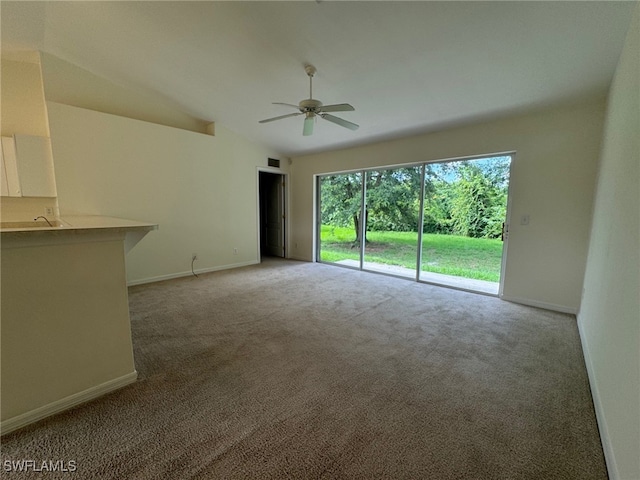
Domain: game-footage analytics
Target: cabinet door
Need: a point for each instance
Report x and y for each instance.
(10, 181)
(4, 184)
(35, 166)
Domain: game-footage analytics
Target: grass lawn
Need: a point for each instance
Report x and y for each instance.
(477, 258)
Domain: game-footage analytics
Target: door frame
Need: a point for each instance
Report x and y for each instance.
(507, 227)
(285, 210)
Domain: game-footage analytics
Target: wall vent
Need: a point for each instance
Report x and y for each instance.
(273, 162)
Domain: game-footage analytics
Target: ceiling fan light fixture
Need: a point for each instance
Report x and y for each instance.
(307, 128)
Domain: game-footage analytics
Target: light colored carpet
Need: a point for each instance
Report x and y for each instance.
(300, 370)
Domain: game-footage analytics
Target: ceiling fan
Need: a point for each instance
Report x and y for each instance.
(312, 108)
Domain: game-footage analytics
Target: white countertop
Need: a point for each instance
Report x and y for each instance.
(73, 229)
(75, 222)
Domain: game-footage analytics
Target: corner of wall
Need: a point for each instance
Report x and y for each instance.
(609, 317)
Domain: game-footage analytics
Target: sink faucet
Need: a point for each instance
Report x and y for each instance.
(45, 219)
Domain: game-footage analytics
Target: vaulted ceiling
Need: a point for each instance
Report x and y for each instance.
(406, 67)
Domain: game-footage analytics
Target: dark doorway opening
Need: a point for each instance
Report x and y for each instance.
(272, 215)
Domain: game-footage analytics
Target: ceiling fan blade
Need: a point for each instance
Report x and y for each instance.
(338, 107)
(340, 121)
(280, 117)
(287, 105)
(307, 129)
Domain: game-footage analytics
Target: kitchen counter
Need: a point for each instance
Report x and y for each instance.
(66, 334)
(75, 223)
(81, 227)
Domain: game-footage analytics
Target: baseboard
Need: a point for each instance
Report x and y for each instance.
(66, 403)
(547, 306)
(597, 405)
(198, 271)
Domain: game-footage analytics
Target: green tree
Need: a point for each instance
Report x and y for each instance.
(340, 200)
(392, 199)
(463, 198)
(468, 204)
(392, 202)
(478, 198)
(437, 200)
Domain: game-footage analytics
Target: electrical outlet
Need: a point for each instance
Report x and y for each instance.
(235, 251)
(194, 257)
(48, 211)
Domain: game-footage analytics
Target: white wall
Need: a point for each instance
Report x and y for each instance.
(128, 153)
(201, 190)
(553, 179)
(609, 318)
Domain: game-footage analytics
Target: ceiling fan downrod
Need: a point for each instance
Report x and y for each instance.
(311, 71)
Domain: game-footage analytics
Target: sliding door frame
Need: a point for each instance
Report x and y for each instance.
(423, 172)
(363, 216)
(506, 228)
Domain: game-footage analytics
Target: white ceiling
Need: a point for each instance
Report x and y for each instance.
(406, 67)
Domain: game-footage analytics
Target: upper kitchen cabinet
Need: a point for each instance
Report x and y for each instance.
(27, 167)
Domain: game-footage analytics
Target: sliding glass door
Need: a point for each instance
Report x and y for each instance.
(464, 213)
(339, 227)
(392, 213)
(440, 222)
